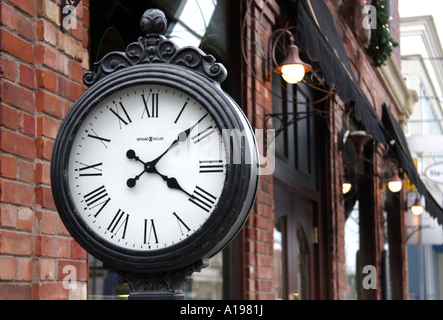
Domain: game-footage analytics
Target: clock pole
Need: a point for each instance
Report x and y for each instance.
(160, 286)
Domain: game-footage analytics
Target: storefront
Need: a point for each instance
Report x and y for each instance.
(305, 238)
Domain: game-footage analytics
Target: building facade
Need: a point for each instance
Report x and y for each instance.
(293, 246)
(422, 73)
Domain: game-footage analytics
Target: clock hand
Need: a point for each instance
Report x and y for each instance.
(149, 167)
(171, 182)
(131, 182)
(182, 136)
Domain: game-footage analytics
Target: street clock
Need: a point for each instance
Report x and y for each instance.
(154, 168)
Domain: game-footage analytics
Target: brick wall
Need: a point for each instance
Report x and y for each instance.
(259, 19)
(41, 72)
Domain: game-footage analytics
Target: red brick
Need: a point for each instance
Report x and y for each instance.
(24, 269)
(77, 71)
(15, 243)
(54, 247)
(47, 32)
(16, 193)
(7, 268)
(25, 219)
(50, 103)
(8, 216)
(77, 252)
(72, 47)
(25, 5)
(50, 10)
(15, 291)
(45, 269)
(49, 291)
(46, 79)
(26, 28)
(43, 148)
(47, 221)
(42, 173)
(8, 167)
(43, 197)
(25, 171)
(8, 16)
(16, 143)
(69, 89)
(16, 46)
(50, 57)
(17, 96)
(8, 117)
(8, 69)
(27, 76)
(47, 126)
(27, 124)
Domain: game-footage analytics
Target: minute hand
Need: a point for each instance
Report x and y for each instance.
(182, 136)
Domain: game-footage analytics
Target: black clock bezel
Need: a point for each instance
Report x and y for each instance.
(238, 195)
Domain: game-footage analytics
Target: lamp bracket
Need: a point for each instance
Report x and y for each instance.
(286, 119)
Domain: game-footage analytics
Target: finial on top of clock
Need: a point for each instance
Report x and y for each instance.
(153, 21)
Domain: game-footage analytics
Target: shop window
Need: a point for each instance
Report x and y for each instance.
(294, 121)
(352, 246)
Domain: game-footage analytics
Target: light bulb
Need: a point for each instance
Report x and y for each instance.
(395, 186)
(417, 210)
(346, 187)
(293, 73)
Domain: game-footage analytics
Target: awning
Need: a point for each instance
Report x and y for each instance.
(399, 150)
(318, 36)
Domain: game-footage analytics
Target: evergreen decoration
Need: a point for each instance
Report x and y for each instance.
(381, 44)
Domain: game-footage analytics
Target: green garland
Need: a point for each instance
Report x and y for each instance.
(380, 46)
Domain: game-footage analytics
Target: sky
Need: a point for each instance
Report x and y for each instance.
(412, 8)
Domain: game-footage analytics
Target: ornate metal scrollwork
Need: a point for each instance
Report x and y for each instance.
(156, 48)
(167, 285)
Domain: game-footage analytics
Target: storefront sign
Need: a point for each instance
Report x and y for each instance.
(435, 172)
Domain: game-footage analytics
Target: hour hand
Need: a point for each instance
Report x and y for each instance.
(171, 182)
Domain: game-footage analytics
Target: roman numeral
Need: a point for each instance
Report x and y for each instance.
(104, 141)
(181, 223)
(211, 166)
(202, 199)
(202, 135)
(149, 231)
(119, 224)
(97, 198)
(122, 118)
(152, 110)
(93, 170)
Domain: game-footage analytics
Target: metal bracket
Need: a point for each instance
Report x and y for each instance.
(287, 119)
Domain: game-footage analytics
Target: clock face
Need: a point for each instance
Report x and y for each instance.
(146, 167)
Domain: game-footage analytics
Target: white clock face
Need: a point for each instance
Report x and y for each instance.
(147, 167)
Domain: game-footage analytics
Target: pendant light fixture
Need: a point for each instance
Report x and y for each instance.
(292, 68)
